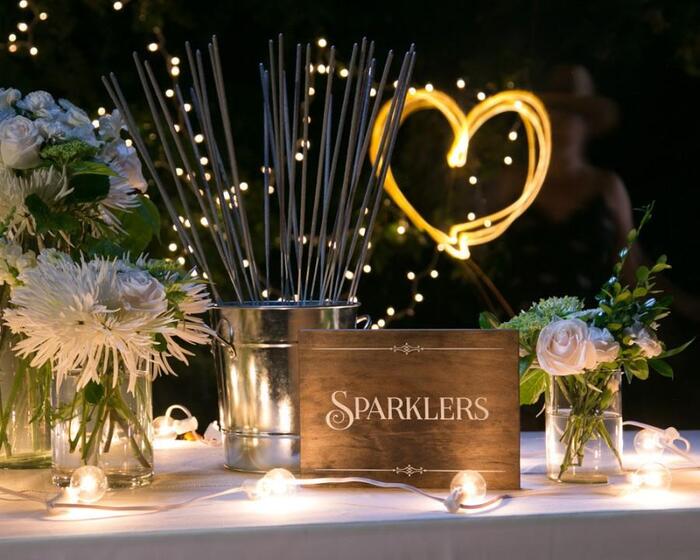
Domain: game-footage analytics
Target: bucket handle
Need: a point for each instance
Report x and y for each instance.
(366, 319)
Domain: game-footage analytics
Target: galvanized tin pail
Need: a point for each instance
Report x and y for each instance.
(258, 378)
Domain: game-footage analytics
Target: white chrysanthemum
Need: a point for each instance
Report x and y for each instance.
(74, 316)
(48, 184)
(14, 261)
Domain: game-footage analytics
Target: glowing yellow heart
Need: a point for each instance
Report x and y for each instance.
(539, 137)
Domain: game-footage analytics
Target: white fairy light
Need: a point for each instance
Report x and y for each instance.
(349, 274)
(243, 186)
(507, 160)
(481, 96)
(187, 106)
(43, 16)
(321, 68)
(12, 37)
(204, 221)
(322, 42)
(411, 275)
(473, 180)
(199, 138)
(275, 484)
(181, 261)
(88, 484)
(101, 111)
(373, 92)
(461, 83)
(33, 51)
(429, 87)
(344, 72)
(412, 90)
(434, 273)
(153, 47)
(471, 216)
(117, 6)
(390, 311)
(172, 247)
(468, 488)
(175, 71)
(367, 268)
(22, 26)
(299, 156)
(401, 229)
(381, 323)
(512, 136)
(312, 91)
(96, 124)
(203, 160)
(23, 4)
(651, 476)
(418, 297)
(175, 60)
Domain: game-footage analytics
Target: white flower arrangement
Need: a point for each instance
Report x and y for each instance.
(63, 181)
(102, 316)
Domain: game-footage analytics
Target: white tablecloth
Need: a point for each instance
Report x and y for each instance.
(572, 522)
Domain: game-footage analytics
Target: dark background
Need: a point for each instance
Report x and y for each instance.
(645, 55)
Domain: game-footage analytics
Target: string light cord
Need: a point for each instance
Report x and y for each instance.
(651, 436)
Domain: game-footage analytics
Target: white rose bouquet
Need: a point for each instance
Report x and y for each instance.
(66, 182)
(580, 351)
(105, 321)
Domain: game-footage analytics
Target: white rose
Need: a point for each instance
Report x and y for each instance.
(139, 291)
(6, 113)
(111, 125)
(563, 348)
(39, 103)
(607, 350)
(8, 97)
(126, 163)
(85, 132)
(645, 339)
(20, 143)
(74, 116)
(51, 128)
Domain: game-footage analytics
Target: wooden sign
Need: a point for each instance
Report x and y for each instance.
(411, 406)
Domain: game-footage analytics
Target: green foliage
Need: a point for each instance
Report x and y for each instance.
(94, 392)
(91, 168)
(533, 383)
(48, 220)
(88, 188)
(139, 226)
(64, 153)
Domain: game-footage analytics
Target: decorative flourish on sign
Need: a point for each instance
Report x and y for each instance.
(408, 470)
(485, 228)
(406, 348)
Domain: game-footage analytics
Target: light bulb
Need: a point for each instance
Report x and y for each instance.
(468, 488)
(648, 443)
(275, 483)
(651, 476)
(88, 484)
(166, 427)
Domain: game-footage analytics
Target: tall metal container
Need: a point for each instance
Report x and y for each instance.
(258, 378)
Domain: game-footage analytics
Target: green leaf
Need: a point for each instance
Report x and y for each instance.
(638, 368)
(532, 384)
(94, 392)
(488, 320)
(140, 225)
(88, 188)
(661, 367)
(632, 236)
(101, 248)
(525, 362)
(63, 153)
(674, 351)
(642, 274)
(91, 168)
(639, 292)
(160, 344)
(47, 220)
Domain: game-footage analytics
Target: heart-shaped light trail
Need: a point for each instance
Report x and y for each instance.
(539, 137)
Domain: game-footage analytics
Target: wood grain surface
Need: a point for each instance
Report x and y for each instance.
(410, 405)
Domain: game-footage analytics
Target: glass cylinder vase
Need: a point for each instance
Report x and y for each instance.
(105, 426)
(25, 441)
(584, 426)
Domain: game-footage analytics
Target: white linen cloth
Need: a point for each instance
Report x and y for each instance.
(571, 522)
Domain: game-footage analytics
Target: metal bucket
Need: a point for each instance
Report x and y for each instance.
(258, 378)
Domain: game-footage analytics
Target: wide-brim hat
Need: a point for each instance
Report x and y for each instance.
(571, 89)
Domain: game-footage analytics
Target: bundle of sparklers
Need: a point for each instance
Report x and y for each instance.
(317, 217)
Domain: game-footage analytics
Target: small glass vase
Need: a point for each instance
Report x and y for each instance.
(109, 427)
(25, 441)
(584, 427)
